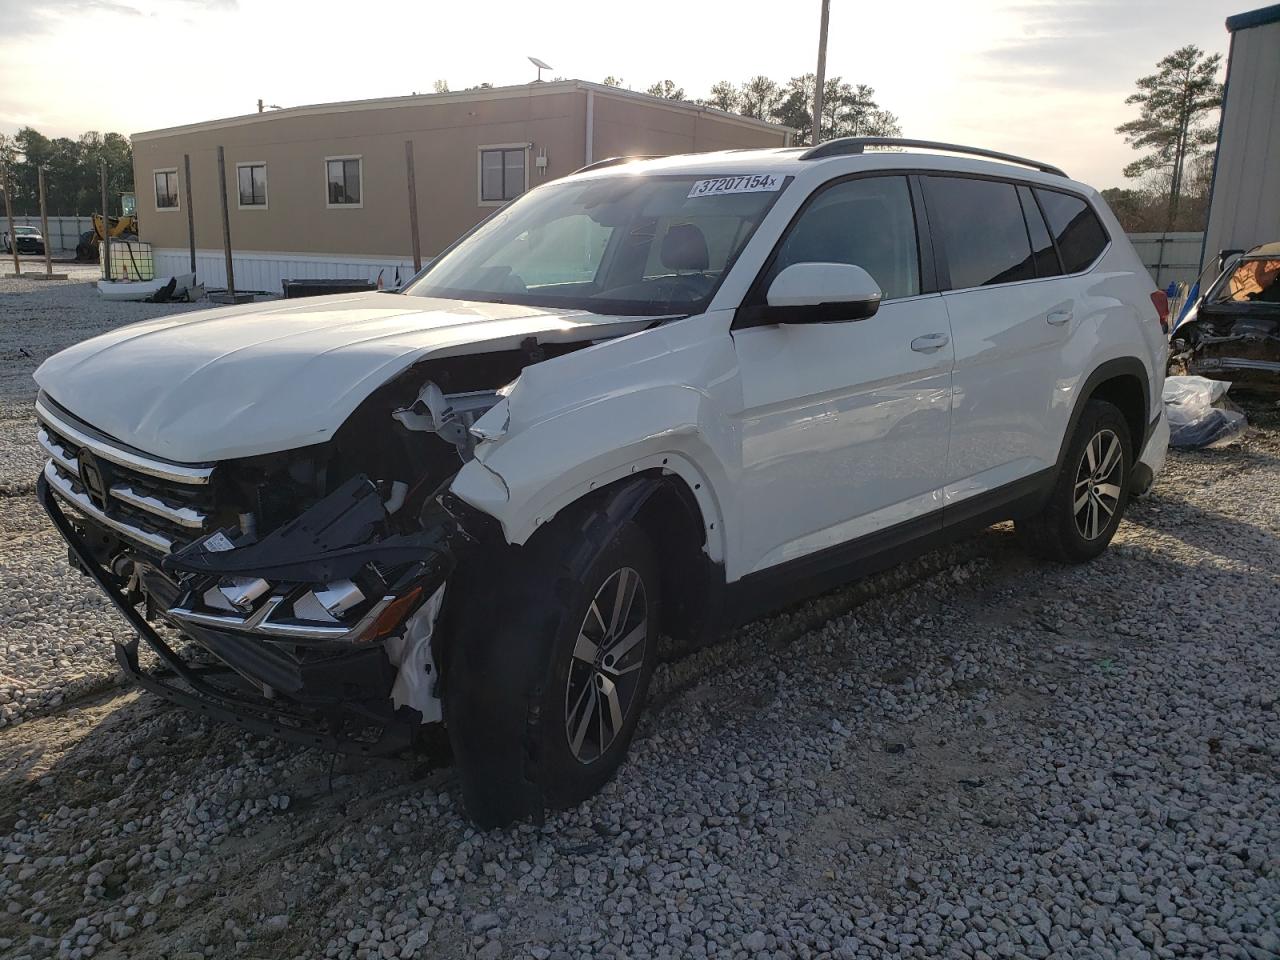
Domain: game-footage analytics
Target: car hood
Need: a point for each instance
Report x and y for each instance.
(260, 378)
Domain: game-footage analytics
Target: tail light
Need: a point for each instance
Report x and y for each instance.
(1161, 301)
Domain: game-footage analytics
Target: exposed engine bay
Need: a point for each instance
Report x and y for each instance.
(1233, 332)
(314, 580)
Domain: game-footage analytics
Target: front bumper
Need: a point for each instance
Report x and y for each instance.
(326, 696)
(1249, 373)
(1154, 453)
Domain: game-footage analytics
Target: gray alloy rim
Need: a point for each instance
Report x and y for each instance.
(1098, 485)
(604, 673)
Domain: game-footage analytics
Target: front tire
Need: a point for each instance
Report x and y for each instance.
(1091, 492)
(551, 670)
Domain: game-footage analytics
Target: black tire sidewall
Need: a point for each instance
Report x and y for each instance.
(1098, 415)
(565, 780)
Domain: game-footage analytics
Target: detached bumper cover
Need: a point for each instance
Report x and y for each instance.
(328, 695)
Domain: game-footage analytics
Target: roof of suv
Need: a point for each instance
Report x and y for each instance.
(792, 161)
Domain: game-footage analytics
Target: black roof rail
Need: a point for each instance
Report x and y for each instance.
(614, 161)
(846, 146)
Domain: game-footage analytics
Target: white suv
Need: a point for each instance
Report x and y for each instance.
(632, 406)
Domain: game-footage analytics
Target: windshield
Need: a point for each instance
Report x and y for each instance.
(1251, 281)
(635, 245)
(26, 231)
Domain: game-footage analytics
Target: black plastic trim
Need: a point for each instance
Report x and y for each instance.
(254, 716)
(768, 590)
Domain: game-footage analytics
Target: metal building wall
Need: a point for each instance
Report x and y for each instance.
(1245, 208)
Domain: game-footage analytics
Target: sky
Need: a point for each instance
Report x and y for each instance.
(1041, 79)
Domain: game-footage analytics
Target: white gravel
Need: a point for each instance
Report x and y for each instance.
(971, 756)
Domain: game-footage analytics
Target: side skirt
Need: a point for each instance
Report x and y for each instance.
(786, 583)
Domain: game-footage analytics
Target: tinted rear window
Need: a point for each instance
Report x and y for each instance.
(980, 225)
(1081, 238)
(1046, 258)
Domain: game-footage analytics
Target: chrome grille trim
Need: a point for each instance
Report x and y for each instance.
(82, 503)
(59, 456)
(165, 470)
(183, 516)
(261, 623)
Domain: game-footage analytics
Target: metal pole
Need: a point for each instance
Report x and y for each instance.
(8, 209)
(191, 214)
(226, 224)
(106, 225)
(44, 226)
(821, 78)
(413, 206)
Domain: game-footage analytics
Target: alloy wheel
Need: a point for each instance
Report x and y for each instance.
(1098, 484)
(605, 671)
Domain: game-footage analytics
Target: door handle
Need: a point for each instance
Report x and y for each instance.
(1059, 317)
(930, 342)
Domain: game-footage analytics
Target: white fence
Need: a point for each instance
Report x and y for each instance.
(64, 232)
(264, 271)
(1171, 257)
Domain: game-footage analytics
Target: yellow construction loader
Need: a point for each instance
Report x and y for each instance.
(122, 228)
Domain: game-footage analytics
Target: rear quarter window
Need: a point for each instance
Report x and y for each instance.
(1079, 233)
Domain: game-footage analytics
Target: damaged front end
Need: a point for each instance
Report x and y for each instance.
(312, 588)
(1244, 349)
(1233, 331)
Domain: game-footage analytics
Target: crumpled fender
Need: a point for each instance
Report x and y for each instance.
(587, 419)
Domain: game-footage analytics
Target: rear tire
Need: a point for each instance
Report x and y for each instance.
(1091, 492)
(549, 673)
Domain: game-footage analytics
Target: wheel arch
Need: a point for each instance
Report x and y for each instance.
(1122, 382)
(667, 507)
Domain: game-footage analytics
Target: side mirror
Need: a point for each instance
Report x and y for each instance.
(821, 293)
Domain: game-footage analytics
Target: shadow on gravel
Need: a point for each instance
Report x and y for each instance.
(1215, 533)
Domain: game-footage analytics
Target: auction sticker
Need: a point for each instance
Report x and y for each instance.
(746, 183)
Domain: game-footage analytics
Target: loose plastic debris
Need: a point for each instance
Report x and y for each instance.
(1200, 415)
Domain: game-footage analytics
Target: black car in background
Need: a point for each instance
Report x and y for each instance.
(28, 239)
(1232, 332)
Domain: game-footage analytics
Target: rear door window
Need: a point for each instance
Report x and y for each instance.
(1080, 235)
(1042, 252)
(981, 229)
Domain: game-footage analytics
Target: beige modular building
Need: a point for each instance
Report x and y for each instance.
(322, 191)
(1244, 206)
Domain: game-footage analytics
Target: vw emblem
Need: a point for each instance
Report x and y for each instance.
(91, 479)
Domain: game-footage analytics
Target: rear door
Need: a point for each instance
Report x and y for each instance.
(844, 425)
(1011, 315)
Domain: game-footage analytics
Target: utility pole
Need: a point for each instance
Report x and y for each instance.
(820, 78)
(191, 213)
(106, 225)
(226, 226)
(44, 224)
(413, 205)
(8, 209)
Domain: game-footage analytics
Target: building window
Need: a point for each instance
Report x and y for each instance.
(343, 175)
(166, 189)
(253, 184)
(502, 172)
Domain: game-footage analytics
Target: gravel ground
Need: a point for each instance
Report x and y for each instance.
(973, 755)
